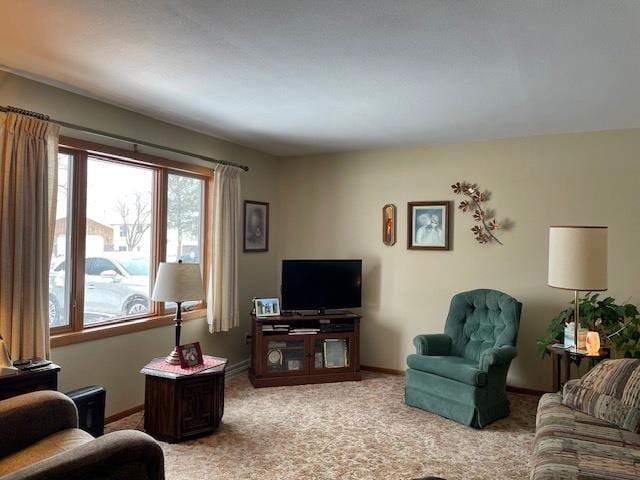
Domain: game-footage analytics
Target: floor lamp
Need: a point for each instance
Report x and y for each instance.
(578, 262)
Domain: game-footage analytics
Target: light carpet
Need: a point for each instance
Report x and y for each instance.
(350, 430)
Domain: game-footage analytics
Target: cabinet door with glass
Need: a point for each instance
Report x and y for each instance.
(332, 353)
(283, 355)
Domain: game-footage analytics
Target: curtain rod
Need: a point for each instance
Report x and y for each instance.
(121, 138)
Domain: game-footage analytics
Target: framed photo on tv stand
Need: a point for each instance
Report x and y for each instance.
(267, 307)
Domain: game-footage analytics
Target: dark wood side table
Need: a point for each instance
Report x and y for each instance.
(26, 381)
(179, 407)
(562, 360)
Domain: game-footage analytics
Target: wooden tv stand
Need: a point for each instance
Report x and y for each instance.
(281, 358)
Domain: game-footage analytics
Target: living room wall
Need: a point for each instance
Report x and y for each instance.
(331, 207)
(115, 362)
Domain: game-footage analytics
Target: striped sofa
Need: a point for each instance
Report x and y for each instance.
(571, 445)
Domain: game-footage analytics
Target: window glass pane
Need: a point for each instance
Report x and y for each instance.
(58, 273)
(184, 219)
(118, 242)
(185, 197)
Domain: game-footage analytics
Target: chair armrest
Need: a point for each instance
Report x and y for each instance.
(118, 455)
(25, 419)
(497, 356)
(435, 344)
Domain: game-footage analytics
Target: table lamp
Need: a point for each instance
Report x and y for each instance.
(178, 282)
(578, 262)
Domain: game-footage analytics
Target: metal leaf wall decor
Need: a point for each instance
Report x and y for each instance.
(486, 225)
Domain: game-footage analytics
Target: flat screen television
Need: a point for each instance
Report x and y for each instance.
(321, 284)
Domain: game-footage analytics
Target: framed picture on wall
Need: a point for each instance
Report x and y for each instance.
(389, 224)
(428, 225)
(256, 226)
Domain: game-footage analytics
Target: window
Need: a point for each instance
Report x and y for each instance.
(121, 219)
(184, 219)
(185, 199)
(59, 276)
(118, 195)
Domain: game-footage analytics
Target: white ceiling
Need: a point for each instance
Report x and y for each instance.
(307, 76)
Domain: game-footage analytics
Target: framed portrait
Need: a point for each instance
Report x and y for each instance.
(190, 355)
(267, 307)
(256, 226)
(389, 224)
(428, 225)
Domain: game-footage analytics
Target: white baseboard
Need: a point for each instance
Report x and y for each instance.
(236, 369)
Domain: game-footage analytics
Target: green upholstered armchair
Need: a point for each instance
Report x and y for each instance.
(462, 374)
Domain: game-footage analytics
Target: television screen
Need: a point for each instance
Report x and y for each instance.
(321, 284)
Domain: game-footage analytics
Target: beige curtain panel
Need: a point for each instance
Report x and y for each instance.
(28, 185)
(222, 294)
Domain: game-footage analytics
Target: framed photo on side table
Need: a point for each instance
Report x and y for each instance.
(190, 355)
(428, 225)
(256, 226)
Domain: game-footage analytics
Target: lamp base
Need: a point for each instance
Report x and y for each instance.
(173, 358)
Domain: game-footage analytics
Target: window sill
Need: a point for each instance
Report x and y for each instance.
(122, 328)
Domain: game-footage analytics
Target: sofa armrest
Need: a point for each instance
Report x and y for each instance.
(124, 454)
(497, 356)
(25, 419)
(435, 344)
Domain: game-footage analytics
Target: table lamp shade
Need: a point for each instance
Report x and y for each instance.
(578, 258)
(178, 282)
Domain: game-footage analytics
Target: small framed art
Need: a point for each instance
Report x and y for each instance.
(428, 225)
(267, 307)
(389, 224)
(190, 355)
(256, 226)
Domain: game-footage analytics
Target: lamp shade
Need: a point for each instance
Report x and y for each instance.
(178, 282)
(578, 258)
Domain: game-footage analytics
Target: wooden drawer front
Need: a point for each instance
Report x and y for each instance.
(197, 406)
(25, 384)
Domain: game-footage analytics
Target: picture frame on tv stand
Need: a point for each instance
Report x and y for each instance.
(266, 307)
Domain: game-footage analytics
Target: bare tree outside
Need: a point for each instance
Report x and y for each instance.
(135, 218)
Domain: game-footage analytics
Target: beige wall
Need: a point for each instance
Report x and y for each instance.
(115, 362)
(331, 207)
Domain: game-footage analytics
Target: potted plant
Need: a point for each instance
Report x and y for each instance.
(618, 325)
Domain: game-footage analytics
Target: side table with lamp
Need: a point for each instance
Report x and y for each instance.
(182, 403)
(578, 262)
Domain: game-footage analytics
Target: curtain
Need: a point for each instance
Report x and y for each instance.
(28, 187)
(222, 294)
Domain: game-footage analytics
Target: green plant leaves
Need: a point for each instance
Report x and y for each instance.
(618, 325)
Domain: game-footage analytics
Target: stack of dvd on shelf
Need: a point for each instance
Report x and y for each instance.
(304, 331)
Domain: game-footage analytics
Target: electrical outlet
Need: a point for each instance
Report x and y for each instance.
(247, 338)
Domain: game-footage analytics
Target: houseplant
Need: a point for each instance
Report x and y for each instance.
(618, 325)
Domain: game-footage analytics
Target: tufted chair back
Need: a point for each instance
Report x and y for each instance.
(482, 319)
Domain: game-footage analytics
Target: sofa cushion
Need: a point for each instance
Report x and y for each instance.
(456, 368)
(610, 391)
(47, 447)
(572, 445)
